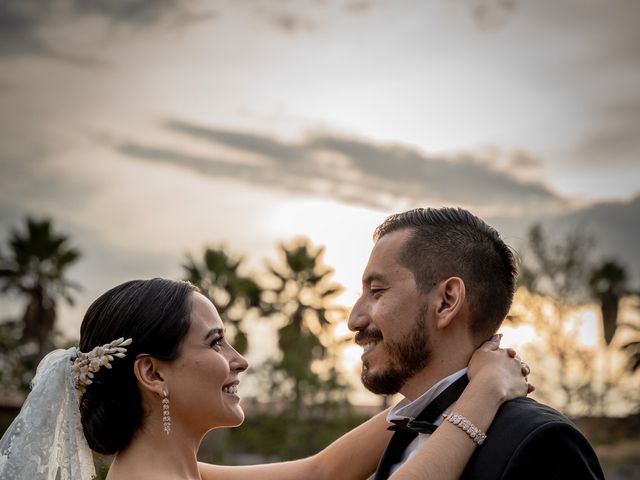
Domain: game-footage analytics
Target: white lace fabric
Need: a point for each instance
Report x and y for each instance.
(45, 441)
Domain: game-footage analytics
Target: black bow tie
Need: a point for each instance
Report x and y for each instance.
(423, 423)
(409, 425)
(407, 430)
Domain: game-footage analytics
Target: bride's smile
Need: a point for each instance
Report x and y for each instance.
(203, 381)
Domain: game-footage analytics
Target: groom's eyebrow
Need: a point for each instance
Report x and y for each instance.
(372, 277)
(213, 331)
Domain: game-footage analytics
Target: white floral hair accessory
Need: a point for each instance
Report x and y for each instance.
(46, 441)
(85, 365)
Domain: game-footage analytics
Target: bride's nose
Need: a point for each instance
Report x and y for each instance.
(238, 363)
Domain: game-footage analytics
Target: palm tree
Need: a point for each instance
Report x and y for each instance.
(633, 347)
(300, 299)
(35, 266)
(218, 277)
(608, 284)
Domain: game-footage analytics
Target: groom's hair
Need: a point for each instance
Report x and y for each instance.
(155, 314)
(452, 242)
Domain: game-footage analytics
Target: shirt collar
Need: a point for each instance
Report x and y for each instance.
(408, 409)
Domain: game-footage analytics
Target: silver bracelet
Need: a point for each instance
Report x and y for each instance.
(469, 428)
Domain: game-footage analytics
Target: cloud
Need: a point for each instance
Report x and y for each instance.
(359, 6)
(251, 142)
(26, 26)
(592, 56)
(522, 159)
(491, 14)
(352, 170)
(616, 137)
(18, 24)
(390, 177)
(291, 23)
(305, 16)
(615, 227)
(142, 12)
(609, 29)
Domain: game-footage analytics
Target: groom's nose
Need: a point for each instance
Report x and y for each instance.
(358, 318)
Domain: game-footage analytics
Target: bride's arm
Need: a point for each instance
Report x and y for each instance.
(492, 381)
(494, 377)
(355, 456)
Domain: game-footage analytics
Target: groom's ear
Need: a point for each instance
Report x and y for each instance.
(147, 371)
(451, 294)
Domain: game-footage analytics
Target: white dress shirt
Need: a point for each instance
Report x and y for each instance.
(407, 409)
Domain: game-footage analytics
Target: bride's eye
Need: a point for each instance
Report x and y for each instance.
(217, 343)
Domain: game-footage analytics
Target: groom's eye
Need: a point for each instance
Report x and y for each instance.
(376, 291)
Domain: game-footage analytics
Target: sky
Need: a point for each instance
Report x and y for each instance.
(148, 129)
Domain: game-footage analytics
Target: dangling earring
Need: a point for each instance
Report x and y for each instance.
(166, 416)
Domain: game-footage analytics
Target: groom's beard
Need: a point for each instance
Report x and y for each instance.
(406, 358)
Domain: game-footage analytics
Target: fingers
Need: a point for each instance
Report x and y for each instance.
(524, 369)
(493, 343)
(512, 353)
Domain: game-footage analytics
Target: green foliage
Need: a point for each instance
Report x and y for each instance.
(559, 276)
(307, 394)
(35, 266)
(38, 256)
(102, 466)
(633, 350)
(300, 301)
(608, 283)
(18, 360)
(296, 296)
(234, 294)
(268, 437)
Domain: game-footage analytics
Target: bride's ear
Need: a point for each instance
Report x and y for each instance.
(147, 372)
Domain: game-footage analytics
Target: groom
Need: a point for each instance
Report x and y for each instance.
(438, 283)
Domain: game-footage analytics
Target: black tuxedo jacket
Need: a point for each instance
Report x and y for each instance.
(528, 440)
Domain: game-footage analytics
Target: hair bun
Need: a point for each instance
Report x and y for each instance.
(110, 418)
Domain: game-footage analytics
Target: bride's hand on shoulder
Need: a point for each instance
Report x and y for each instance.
(499, 371)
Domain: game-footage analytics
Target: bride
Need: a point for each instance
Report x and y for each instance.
(153, 373)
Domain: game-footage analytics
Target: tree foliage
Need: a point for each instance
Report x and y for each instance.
(18, 360)
(632, 348)
(306, 392)
(608, 284)
(295, 294)
(218, 275)
(35, 266)
(300, 300)
(559, 277)
(557, 270)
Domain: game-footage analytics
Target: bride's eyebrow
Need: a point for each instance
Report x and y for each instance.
(213, 331)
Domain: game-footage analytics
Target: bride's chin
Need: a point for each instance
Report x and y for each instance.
(240, 419)
(238, 423)
(235, 419)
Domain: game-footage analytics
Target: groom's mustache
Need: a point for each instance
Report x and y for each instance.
(369, 334)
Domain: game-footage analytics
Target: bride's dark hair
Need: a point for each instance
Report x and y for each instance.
(155, 314)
